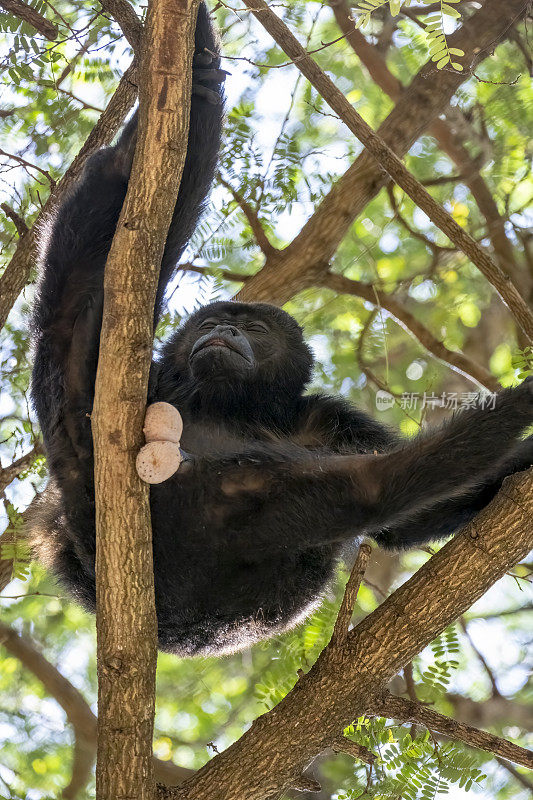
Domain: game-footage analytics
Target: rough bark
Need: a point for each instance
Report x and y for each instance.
(307, 258)
(347, 681)
(126, 622)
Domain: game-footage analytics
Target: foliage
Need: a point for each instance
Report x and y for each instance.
(415, 767)
(439, 49)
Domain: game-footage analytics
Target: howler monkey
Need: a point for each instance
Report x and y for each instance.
(246, 534)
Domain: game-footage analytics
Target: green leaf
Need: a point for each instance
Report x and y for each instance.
(451, 12)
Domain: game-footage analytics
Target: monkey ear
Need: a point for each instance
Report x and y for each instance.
(161, 456)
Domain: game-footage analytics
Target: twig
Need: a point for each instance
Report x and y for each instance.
(481, 658)
(408, 711)
(28, 165)
(521, 779)
(342, 623)
(253, 219)
(84, 103)
(31, 16)
(227, 275)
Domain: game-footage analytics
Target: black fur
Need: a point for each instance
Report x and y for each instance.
(247, 533)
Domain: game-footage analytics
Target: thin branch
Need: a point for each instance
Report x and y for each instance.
(408, 711)
(15, 218)
(429, 243)
(481, 658)
(253, 219)
(70, 66)
(87, 106)
(389, 161)
(28, 165)
(227, 275)
(523, 780)
(9, 473)
(459, 362)
(344, 617)
(32, 17)
(344, 745)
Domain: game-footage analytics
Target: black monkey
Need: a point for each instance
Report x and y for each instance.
(248, 531)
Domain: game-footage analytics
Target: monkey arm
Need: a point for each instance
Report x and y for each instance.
(448, 516)
(346, 428)
(328, 498)
(67, 315)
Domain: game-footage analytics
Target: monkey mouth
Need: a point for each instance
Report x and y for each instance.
(199, 346)
(215, 342)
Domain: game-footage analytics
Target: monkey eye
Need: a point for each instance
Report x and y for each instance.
(207, 324)
(257, 327)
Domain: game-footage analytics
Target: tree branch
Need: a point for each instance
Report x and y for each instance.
(443, 133)
(9, 473)
(459, 362)
(410, 711)
(344, 617)
(17, 272)
(344, 745)
(31, 16)
(346, 681)
(125, 605)
(15, 218)
(389, 161)
(305, 260)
